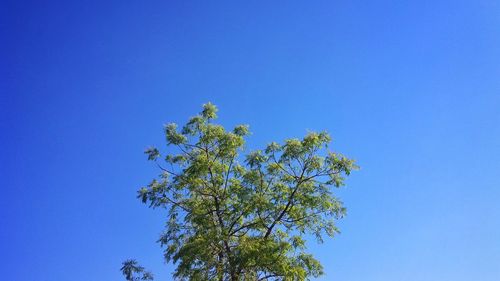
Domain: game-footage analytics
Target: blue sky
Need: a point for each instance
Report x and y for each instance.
(410, 89)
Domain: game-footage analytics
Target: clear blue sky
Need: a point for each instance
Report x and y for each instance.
(411, 89)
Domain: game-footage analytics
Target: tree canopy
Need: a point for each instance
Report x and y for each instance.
(134, 272)
(233, 215)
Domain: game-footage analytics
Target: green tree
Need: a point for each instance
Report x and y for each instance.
(244, 217)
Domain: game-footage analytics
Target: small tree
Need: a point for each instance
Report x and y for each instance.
(134, 272)
(244, 218)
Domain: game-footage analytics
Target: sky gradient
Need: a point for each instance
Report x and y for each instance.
(410, 89)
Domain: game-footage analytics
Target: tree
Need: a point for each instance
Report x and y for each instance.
(233, 217)
(130, 269)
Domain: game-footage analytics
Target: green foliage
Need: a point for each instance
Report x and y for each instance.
(244, 217)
